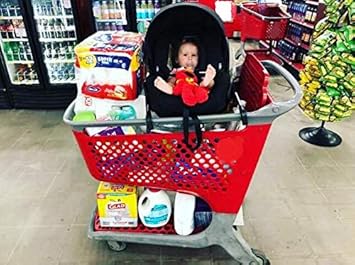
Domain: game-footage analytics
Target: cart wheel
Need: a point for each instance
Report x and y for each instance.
(261, 256)
(116, 245)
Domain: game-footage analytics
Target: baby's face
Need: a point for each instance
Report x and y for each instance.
(188, 56)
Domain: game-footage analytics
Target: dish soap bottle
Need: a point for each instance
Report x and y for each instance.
(154, 208)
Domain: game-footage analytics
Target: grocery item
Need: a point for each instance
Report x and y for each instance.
(117, 205)
(328, 77)
(184, 207)
(154, 208)
(108, 65)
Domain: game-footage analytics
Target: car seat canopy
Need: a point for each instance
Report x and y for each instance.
(176, 22)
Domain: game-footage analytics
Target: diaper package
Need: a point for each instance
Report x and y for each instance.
(108, 67)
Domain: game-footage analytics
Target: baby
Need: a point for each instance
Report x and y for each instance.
(185, 82)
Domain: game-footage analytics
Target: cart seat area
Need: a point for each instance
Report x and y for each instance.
(253, 83)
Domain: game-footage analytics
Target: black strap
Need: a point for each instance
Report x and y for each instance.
(197, 124)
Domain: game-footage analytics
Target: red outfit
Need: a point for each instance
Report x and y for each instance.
(187, 87)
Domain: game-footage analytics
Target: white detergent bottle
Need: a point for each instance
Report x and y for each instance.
(184, 208)
(154, 208)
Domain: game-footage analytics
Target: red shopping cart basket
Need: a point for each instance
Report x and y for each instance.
(263, 22)
(219, 171)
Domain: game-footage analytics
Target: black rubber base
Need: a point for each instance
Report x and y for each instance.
(320, 136)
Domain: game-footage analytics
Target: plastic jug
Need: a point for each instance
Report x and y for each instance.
(154, 208)
(184, 208)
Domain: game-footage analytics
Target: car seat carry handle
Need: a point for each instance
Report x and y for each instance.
(275, 109)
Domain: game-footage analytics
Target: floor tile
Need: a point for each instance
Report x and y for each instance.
(9, 238)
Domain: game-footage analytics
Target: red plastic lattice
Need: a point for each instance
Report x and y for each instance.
(219, 171)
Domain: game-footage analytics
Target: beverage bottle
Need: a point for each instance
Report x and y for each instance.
(119, 27)
(111, 9)
(123, 12)
(139, 10)
(113, 26)
(156, 7)
(107, 26)
(15, 50)
(96, 9)
(8, 51)
(150, 9)
(118, 8)
(144, 7)
(62, 51)
(22, 52)
(105, 13)
(67, 7)
(69, 50)
(28, 51)
(47, 51)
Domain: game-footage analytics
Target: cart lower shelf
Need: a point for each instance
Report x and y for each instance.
(220, 232)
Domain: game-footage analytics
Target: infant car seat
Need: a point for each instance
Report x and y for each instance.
(172, 24)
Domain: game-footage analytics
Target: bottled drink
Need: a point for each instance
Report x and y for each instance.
(150, 9)
(8, 51)
(96, 9)
(156, 7)
(107, 26)
(22, 52)
(144, 7)
(117, 10)
(113, 26)
(139, 10)
(119, 27)
(28, 51)
(62, 51)
(105, 13)
(123, 12)
(111, 9)
(67, 7)
(15, 50)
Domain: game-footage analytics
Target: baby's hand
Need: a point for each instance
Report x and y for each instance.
(209, 76)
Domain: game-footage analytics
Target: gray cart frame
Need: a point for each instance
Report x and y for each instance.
(220, 231)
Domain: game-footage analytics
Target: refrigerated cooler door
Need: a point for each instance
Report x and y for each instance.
(15, 47)
(109, 15)
(57, 36)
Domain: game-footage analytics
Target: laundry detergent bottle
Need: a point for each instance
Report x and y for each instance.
(154, 208)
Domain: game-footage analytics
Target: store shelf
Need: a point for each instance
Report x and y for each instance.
(56, 39)
(300, 44)
(304, 24)
(54, 61)
(71, 81)
(26, 82)
(297, 66)
(53, 16)
(20, 62)
(314, 3)
(15, 40)
(10, 17)
(122, 21)
(143, 19)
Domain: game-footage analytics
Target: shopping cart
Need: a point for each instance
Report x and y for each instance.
(219, 171)
(263, 23)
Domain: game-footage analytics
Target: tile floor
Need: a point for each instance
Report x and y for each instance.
(300, 207)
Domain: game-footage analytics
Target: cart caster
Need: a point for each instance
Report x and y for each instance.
(116, 245)
(261, 256)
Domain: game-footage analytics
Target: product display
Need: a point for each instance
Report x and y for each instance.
(328, 80)
(145, 11)
(15, 45)
(57, 36)
(109, 15)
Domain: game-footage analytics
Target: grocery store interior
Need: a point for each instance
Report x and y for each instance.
(299, 207)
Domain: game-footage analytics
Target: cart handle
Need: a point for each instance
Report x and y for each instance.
(275, 109)
(264, 115)
(286, 16)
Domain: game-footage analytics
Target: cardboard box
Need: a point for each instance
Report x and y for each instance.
(117, 205)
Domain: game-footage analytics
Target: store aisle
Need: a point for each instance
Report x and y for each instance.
(300, 208)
